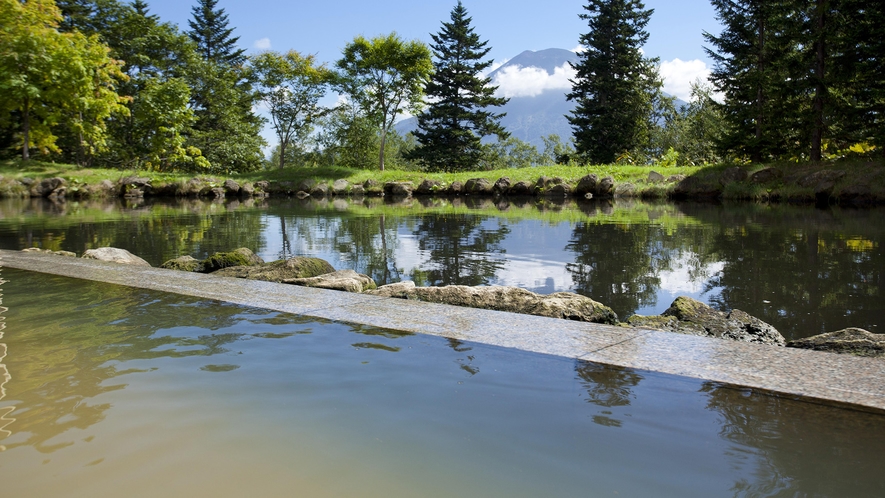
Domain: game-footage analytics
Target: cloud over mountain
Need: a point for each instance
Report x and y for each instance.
(518, 81)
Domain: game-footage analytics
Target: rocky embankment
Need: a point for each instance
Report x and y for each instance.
(770, 184)
(684, 316)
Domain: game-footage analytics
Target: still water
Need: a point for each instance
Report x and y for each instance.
(108, 391)
(802, 269)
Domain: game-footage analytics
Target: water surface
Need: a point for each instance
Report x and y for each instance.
(802, 269)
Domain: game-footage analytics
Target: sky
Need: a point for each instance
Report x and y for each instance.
(323, 29)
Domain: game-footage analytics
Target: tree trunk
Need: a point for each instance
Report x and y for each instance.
(381, 154)
(26, 130)
(282, 154)
(756, 154)
(820, 90)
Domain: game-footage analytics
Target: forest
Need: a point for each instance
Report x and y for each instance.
(106, 84)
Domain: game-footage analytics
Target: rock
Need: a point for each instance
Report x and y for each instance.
(694, 186)
(340, 187)
(560, 190)
(857, 194)
(50, 251)
(855, 341)
(217, 193)
(237, 257)
(624, 190)
(344, 280)
(319, 191)
(675, 178)
(521, 188)
(822, 181)
(655, 177)
(47, 186)
(692, 317)
(478, 186)
(305, 185)
(231, 187)
(766, 175)
(510, 299)
(135, 186)
(429, 187)
(247, 190)
(184, 263)
(398, 189)
(373, 188)
(277, 271)
(456, 188)
(357, 191)
(502, 186)
(732, 175)
(115, 255)
(605, 187)
(587, 185)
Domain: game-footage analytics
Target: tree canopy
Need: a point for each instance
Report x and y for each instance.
(451, 129)
(384, 76)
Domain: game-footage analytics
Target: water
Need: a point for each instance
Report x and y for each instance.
(804, 270)
(114, 391)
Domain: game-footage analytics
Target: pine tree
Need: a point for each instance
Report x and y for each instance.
(451, 129)
(213, 38)
(615, 85)
(755, 57)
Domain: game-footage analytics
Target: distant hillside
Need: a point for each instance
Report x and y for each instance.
(530, 117)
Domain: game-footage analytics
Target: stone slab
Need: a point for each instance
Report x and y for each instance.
(804, 374)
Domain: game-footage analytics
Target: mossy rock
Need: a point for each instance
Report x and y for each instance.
(184, 263)
(237, 257)
(278, 271)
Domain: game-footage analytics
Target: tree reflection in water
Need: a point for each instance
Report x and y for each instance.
(791, 447)
(607, 387)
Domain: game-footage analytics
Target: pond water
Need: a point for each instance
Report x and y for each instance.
(110, 391)
(802, 269)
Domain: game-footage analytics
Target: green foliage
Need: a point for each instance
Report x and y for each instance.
(693, 131)
(558, 152)
(615, 86)
(213, 38)
(291, 86)
(450, 130)
(383, 77)
(54, 82)
(511, 153)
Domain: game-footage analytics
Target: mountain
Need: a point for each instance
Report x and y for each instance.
(536, 82)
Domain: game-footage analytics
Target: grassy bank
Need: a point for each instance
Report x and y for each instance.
(861, 176)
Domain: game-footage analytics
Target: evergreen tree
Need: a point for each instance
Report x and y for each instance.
(451, 129)
(615, 86)
(213, 38)
(753, 59)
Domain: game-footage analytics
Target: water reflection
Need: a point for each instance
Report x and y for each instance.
(608, 387)
(784, 447)
(803, 270)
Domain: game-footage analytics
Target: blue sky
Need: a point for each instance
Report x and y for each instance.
(511, 27)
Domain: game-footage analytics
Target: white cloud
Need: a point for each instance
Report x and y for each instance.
(678, 76)
(518, 81)
(262, 44)
(495, 65)
(579, 49)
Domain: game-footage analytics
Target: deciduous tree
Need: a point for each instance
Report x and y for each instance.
(383, 77)
(291, 85)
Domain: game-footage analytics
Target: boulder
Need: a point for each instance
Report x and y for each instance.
(605, 187)
(822, 181)
(277, 271)
(231, 187)
(559, 190)
(398, 189)
(624, 190)
(373, 188)
(732, 175)
(344, 280)
(502, 186)
(50, 251)
(654, 177)
(694, 186)
(184, 263)
(852, 340)
(305, 185)
(357, 191)
(521, 188)
(47, 186)
(247, 190)
(456, 188)
(478, 186)
(319, 191)
(115, 255)
(340, 187)
(510, 299)
(587, 185)
(238, 257)
(675, 178)
(692, 317)
(766, 175)
(428, 187)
